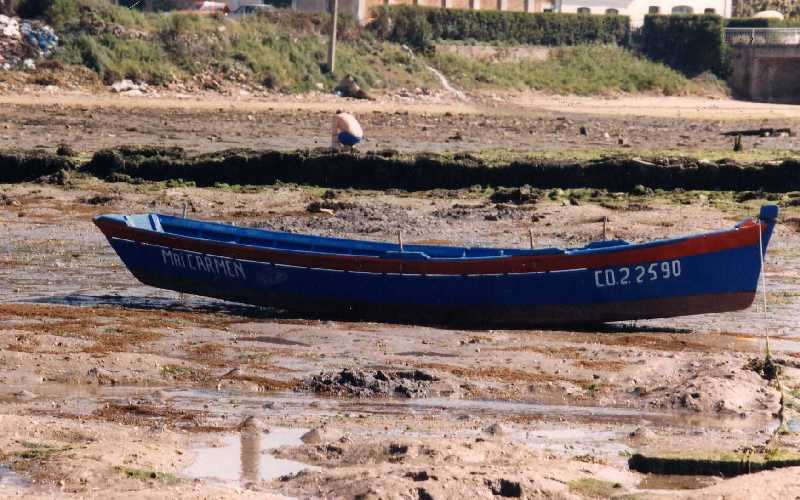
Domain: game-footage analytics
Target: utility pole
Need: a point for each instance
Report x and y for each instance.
(332, 45)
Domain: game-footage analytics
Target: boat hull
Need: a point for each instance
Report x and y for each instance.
(709, 282)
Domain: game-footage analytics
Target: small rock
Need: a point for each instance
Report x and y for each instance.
(418, 476)
(23, 394)
(159, 395)
(495, 430)
(251, 423)
(456, 137)
(312, 437)
(737, 143)
(232, 373)
(584, 131)
(349, 88)
(642, 433)
(124, 86)
(101, 376)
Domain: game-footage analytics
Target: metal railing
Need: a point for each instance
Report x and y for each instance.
(762, 36)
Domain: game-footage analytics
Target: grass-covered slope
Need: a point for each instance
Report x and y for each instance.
(583, 70)
(281, 50)
(287, 51)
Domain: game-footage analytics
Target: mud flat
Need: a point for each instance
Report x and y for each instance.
(208, 122)
(110, 388)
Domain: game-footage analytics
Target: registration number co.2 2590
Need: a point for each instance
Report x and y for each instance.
(639, 274)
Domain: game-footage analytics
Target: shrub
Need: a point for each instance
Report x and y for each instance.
(419, 26)
(748, 8)
(33, 8)
(758, 22)
(692, 44)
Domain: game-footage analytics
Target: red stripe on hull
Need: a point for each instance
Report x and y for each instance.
(744, 235)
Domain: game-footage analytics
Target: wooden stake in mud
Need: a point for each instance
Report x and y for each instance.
(400, 240)
(332, 45)
(767, 354)
(605, 223)
(530, 235)
(181, 295)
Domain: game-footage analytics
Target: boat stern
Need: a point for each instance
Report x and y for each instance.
(767, 217)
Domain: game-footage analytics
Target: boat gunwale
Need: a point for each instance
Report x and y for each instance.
(393, 252)
(631, 254)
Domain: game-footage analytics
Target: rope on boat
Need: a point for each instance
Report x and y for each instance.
(763, 289)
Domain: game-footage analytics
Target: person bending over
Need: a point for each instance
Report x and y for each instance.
(346, 130)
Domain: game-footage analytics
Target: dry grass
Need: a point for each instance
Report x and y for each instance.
(145, 414)
(495, 373)
(603, 364)
(658, 342)
(269, 384)
(113, 329)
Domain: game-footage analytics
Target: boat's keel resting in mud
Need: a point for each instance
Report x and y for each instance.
(603, 281)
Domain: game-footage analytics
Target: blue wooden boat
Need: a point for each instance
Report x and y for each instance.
(600, 282)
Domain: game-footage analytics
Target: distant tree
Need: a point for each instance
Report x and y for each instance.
(30, 9)
(747, 8)
(8, 7)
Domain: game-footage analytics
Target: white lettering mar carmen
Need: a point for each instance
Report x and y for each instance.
(206, 263)
(637, 275)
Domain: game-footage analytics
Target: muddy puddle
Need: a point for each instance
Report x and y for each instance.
(551, 429)
(671, 482)
(245, 456)
(271, 340)
(10, 481)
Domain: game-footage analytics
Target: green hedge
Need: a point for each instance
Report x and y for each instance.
(692, 44)
(419, 27)
(757, 22)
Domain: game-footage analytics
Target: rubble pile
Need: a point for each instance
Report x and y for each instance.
(23, 41)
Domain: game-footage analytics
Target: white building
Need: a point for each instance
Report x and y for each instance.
(637, 9)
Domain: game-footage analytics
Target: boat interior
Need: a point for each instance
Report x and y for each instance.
(278, 240)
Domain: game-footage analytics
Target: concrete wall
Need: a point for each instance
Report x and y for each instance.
(766, 74)
(355, 8)
(493, 53)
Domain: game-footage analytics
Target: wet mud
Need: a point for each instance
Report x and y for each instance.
(111, 388)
